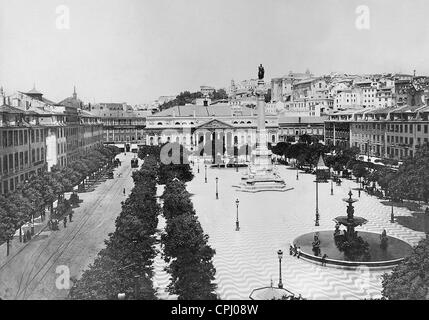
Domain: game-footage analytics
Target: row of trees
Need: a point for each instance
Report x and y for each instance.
(307, 152)
(32, 197)
(125, 265)
(185, 247)
(188, 97)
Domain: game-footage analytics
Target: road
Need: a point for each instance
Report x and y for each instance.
(32, 273)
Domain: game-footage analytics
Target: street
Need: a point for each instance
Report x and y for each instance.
(31, 273)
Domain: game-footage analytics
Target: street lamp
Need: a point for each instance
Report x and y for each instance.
(317, 202)
(217, 190)
(205, 173)
(137, 286)
(297, 172)
(280, 255)
(237, 223)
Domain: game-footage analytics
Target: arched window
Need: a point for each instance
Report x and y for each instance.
(177, 123)
(160, 123)
(273, 138)
(235, 122)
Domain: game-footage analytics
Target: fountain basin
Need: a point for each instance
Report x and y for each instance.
(395, 252)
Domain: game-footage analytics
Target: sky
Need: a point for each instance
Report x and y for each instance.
(136, 50)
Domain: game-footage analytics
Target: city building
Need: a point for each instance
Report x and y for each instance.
(232, 126)
(395, 132)
(37, 134)
(291, 128)
(23, 147)
(122, 126)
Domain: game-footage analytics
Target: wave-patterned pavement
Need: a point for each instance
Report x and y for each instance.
(269, 221)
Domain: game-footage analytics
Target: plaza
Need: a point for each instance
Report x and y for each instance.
(269, 221)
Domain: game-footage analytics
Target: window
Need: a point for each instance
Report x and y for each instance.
(425, 128)
(5, 166)
(11, 162)
(419, 128)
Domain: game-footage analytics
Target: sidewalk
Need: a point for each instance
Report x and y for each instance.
(15, 247)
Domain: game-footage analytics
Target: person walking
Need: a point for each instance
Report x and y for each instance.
(124, 191)
(70, 216)
(65, 222)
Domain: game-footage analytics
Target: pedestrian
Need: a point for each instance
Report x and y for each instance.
(65, 222)
(324, 260)
(359, 192)
(50, 225)
(124, 191)
(28, 235)
(70, 216)
(299, 252)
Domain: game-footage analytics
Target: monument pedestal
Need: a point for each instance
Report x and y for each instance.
(261, 175)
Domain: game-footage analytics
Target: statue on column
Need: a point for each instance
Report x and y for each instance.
(261, 72)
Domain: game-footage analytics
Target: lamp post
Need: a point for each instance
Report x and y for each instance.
(280, 255)
(237, 223)
(332, 187)
(297, 172)
(137, 286)
(317, 202)
(392, 216)
(205, 173)
(217, 190)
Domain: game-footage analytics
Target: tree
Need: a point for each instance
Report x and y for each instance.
(192, 270)
(359, 171)
(185, 246)
(127, 260)
(8, 223)
(410, 279)
(219, 95)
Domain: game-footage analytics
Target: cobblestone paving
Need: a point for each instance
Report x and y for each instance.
(270, 221)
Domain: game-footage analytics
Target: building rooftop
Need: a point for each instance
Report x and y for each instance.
(203, 111)
(308, 120)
